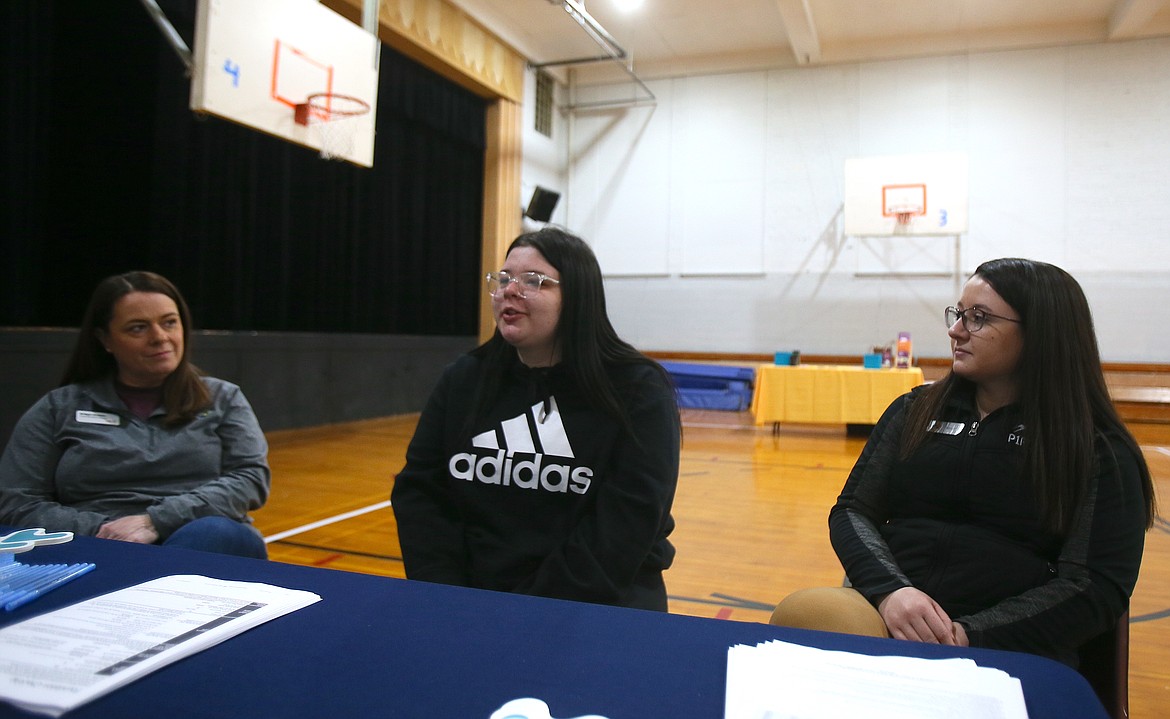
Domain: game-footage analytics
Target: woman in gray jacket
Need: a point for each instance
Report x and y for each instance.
(136, 444)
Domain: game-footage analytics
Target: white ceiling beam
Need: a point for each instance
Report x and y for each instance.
(802, 31)
(1129, 17)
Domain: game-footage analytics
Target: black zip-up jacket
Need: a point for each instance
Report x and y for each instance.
(548, 496)
(957, 521)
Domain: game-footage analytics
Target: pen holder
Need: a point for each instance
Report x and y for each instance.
(8, 565)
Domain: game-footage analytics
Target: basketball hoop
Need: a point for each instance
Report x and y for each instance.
(903, 203)
(336, 118)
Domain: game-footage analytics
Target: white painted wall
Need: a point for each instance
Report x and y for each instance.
(545, 160)
(716, 213)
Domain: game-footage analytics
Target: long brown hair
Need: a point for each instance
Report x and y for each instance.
(1064, 401)
(183, 392)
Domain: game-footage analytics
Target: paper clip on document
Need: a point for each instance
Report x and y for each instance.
(22, 583)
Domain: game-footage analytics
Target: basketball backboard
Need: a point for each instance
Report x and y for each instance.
(906, 194)
(256, 60)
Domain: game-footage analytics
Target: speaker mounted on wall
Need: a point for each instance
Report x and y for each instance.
(542, 204)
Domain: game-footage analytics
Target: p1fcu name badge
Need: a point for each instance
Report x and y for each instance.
(106, 418)
(951, 428)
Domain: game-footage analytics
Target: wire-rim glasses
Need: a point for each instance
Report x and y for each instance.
(527, 283)
(974, 318)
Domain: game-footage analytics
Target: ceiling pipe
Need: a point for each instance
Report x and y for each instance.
(614, 52)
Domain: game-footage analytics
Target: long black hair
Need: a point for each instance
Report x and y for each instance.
(183, 392)
(1064, 401)
(587, 340)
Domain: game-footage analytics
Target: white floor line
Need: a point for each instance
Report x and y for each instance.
(325, 522)
(382, 505)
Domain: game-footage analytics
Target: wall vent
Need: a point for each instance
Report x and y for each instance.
(544, 103)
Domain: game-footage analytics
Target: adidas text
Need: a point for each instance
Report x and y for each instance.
(526, 474)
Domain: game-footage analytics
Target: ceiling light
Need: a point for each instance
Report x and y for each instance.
(627, 5)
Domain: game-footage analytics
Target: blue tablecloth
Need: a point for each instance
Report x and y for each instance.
(391, 648)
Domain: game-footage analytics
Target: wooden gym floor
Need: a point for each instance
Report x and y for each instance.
(751, 510)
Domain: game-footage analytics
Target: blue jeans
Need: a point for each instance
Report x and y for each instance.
(221, 535)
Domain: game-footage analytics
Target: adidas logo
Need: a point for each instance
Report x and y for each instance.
(503, 467)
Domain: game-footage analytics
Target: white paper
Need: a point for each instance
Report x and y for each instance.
(57, 661)
(778, 680)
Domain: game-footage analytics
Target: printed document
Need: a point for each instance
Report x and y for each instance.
(54, 662)
(778, 680)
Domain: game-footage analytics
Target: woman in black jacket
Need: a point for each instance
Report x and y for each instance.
(1004, 506)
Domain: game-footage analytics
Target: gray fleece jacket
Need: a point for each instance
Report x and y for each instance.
(79, 458)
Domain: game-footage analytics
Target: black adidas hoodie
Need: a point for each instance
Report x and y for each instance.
(548, 496)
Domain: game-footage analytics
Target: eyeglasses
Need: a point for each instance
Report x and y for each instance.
(973, 318)
(527, 283)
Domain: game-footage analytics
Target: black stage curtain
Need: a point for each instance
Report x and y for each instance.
(105, 169)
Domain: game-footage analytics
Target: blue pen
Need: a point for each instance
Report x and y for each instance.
(41, 571)
(62, 574)
(27, 579)
(26, 574)
(29, 595)
(20, 581)
(49, 573)
(48, 577)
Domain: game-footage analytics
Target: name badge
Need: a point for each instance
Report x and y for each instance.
(951, 428)
(86, 417)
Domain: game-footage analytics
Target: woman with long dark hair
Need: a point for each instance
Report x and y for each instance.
(1004, 506)
(136, 444)
(546, 459)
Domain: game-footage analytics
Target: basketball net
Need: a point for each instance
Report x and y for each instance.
(337, 119)
(902, 218)
(337, 138)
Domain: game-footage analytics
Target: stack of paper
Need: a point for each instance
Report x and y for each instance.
(56, 661)
(778, 680)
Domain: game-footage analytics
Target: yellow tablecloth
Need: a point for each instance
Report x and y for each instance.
(835, 394)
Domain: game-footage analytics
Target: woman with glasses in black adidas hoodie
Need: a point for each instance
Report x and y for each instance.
(546, 459)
